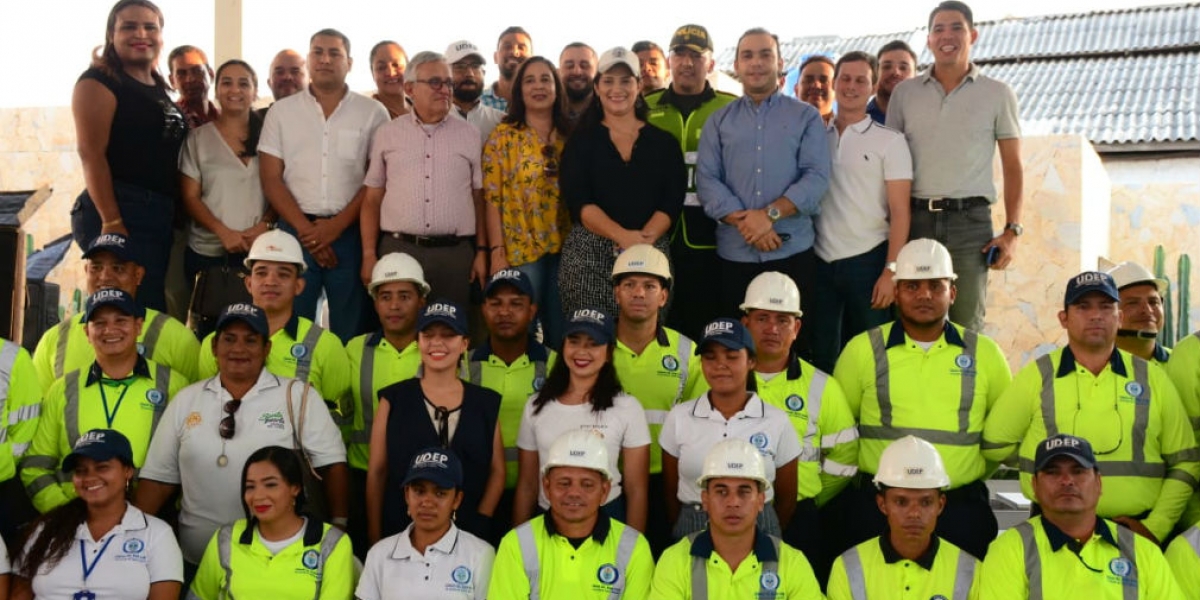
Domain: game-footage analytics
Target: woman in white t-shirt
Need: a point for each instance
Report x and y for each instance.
(582, 392)
(730, 409)
(98, 545)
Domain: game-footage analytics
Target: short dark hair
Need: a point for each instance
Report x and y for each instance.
(181, 50)
(756, 31)
(577, 45)
(894, 45)
(817, 58)
(858, 56)
(331, 32)
(645, 45)
(954, 5)
(511, 30)
(384, 44)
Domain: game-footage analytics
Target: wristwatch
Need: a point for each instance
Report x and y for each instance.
(1016, 228)
(773, 213)
(891, 267)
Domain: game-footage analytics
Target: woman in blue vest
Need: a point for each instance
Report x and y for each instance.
(277, 551)
(436, 409)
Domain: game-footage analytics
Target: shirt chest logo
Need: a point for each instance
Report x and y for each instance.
(769, 581)
(608, 574)
(794, 403)
(760, 440)
(310, 559)
(298, 351)
(272, 420)
(670, 363)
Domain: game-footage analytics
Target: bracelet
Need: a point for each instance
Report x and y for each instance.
(116, 221)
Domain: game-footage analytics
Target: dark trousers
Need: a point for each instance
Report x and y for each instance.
(803, 533)
(697, 273)
(967, 521)
(342, 284)
(736, 276)
(658, 527)
(841, 303)
(356, 526)
(448, 272)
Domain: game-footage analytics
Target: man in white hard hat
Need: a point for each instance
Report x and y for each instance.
(733, 558)
(655, 364)
(908, 556)
(813, 401)
(573, 551)
(1141, 306)
(923, 375)
(377, 360)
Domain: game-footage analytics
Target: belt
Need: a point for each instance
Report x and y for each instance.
(431, 241)
(312, 217)
(950, 204)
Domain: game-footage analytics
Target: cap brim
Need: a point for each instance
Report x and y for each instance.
(729, 343)
(692, 47)
(590, 330)
(225, 321)
(440, 479)
(1083, 462)
(447, 321)
(97, 454)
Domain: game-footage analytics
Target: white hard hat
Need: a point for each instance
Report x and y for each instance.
(911, 462)
(276, 246)
(772, 291)
(1128, 273)
(582, 448)
(734, 458)
(642, 259)
(924, 259)
(398, 266)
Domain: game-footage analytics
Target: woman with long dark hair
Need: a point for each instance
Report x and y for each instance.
(520, 184)
(583, 392)
(128, 132)
(623, 180)
(98, 545)
(277, 551)
(388, 63)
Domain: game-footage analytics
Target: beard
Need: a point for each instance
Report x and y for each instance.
(578, 95)
(468, 94)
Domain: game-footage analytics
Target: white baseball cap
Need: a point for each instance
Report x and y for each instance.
(619, 56)
(462, 49)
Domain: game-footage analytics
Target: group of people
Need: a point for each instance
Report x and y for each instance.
(524, 412)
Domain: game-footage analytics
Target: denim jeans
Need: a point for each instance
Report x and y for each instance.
(343, 288)
(148, 217)
(841, 303)
(543, 274)
(964, 234)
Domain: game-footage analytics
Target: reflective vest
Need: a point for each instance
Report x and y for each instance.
(532, 564)
(865, 573)
(1034, 562)
(700, 572)
(245, 568)
(377, 364)
(773, 570)
(20, 405)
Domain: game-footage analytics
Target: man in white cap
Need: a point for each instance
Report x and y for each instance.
(573, 551)
(925, 376)
(466, 70)
(733, 558)
(1141, 307)
(910, 493)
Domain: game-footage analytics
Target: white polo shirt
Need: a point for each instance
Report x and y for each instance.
(187, 445)
(482, 116)
(623, 426)
(854, 212)
(324, 160)
(139, 551)
(694, 427)
(457, 566)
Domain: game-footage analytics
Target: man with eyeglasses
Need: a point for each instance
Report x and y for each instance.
(1070, 551)
(424, 189)
(211, 428)
(1123, 405)
(681, 110)
(466, 71)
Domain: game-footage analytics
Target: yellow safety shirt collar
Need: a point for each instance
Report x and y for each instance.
(891, 556)
(140, 369)
(1067, 366)
(535, 350)
(599, 530)
(660, 336)
(670, 97)
(1058, 539)
(764, 549)
(314, 531)
(897, 337)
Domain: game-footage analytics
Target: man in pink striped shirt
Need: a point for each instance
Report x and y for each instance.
(424, 187)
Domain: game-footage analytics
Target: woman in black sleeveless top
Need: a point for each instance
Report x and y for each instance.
(129, 133)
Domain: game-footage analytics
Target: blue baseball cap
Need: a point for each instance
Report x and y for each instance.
(113, 297)
(438, 466)
(729, 333)
(247, 313)
(100, 445)
(1088, 282)
(512, 277)
(1062, 444)
(594, 322)
(446, 313)
(115, 243)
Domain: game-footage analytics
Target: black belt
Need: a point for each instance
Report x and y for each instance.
(948, 204)
(431, 241)
(315, 217)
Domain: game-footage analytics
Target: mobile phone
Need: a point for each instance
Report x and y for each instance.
(993, 255)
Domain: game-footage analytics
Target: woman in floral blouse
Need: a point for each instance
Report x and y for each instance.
(520, 184)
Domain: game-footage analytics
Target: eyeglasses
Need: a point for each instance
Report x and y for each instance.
(1100, 427)
(437, 84)
(228, 424)
(550, 167)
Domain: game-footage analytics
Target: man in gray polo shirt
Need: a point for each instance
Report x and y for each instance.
(954, 118)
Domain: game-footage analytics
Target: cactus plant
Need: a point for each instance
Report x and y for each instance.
(1185, 296)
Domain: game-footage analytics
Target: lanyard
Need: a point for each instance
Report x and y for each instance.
(110, 417)
(87, 569)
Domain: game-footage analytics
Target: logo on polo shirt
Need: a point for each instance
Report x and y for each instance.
(154, 397)
(769, 580)
(760, 440)
(1120, 567)
(311, 559)
(133, 546)
(1134, 389)
(939, 597)
(608, 574)
(461, 575)
(298, 351)
(794, 403)
(963, 361)
(141, 348)
(670, 363)
(272, 420)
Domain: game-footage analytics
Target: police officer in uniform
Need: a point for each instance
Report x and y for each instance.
(908, 556)
(813, 401)
(732, 557)
(573, 551)
(682, 110)
(925, 376)
(377, 360)
(120, 390)
(1120, 403)
(656, 364)
(511, 362)
(1141, 311)
(1069, 551)
(166, 341)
